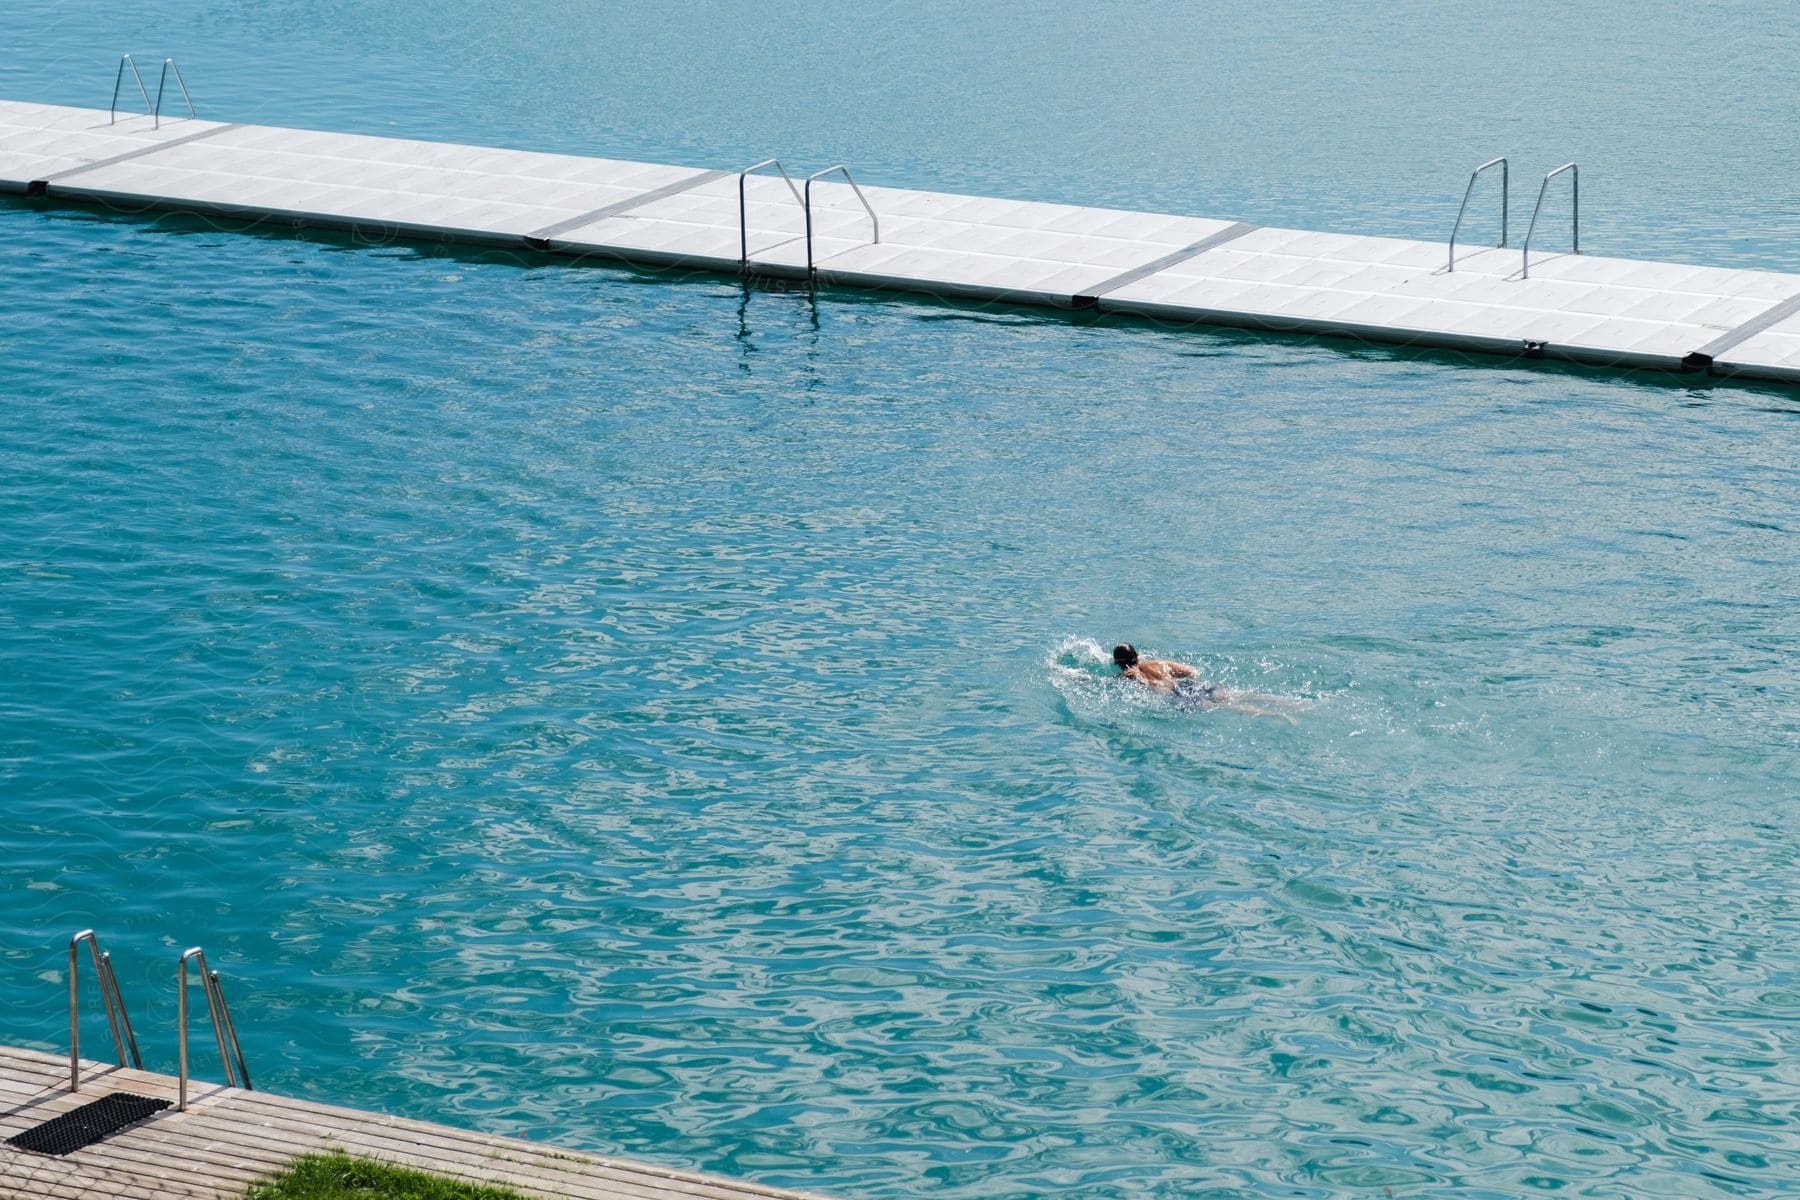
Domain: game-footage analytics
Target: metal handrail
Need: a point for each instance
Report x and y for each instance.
(237, 1050)
(1574, 213)
(221, 1023)
(169, 65)
(743, 223)
(119, 81)
(845, 172)
(1505, 191)
(114, 1003)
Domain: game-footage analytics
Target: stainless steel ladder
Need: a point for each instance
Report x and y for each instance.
(156, 115)
(230, 1053)
(119, 81)
(123, 1038)
(743, 222)
(805, 203)
(1574, 213)
(153, 110)
(1505, 189)
(840, 169)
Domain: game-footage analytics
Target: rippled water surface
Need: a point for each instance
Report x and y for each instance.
(637, 713)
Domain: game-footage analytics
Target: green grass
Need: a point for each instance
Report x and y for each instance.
(337, 1176)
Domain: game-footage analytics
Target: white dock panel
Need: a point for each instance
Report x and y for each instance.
(1602, 310)
(1005, 249)
(1772, 354)
(463, 192)
(38, 141)
(930, 241)
(1596, 309)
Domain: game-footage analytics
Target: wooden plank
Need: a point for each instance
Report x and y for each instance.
(98, 1077)
(230, 1137)
(29, 1064)
(540, 1170)
(439, 1135)
(11, 1088)
(173, 1160)
(445, 1138)
(37, 1175)
(142, 1152)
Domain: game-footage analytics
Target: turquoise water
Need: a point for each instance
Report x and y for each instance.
(647, 716)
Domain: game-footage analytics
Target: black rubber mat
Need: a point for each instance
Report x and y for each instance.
(88, 1124)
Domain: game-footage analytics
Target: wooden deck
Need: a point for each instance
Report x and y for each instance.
(230, 1137)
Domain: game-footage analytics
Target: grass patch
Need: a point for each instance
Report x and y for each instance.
(337, 1176)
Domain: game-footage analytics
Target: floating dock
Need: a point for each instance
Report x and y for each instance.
(229, 1137)
(1584, 308)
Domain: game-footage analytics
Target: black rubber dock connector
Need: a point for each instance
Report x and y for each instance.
(88, 1124)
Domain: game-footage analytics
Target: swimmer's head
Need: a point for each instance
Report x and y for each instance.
(1125, 657)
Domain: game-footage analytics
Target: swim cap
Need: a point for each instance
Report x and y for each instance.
(1125, 656)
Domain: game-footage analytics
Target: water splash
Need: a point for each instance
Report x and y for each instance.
(1082, 671)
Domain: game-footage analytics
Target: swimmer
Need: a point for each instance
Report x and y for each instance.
(1183, 682)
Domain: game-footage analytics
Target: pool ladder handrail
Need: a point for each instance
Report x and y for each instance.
(743, 222)
(224, 1032)
(841, 169)
(1505, 190)
(152, 109)
(116, 1019)
(1574, 213)
(119, 82)
(169, 65)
